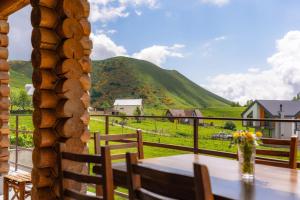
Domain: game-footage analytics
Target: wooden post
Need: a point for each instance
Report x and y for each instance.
(293, 152)
(106, 127)
(17, 142)
(60, 57)
(196, 135)
(140, 144)
(4, 93)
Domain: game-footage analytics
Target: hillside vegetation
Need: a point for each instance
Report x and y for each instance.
(123, 77)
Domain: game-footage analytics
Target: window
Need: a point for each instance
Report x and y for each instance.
(297, 126)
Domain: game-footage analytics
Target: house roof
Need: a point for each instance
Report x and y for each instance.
(185, 112)
(128, 102)
(289, 108)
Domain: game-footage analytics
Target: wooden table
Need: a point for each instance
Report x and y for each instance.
(271, 183)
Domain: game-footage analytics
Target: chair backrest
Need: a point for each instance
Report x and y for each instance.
(291, 154)
(152, 184)
(121, 142)
(105, 179)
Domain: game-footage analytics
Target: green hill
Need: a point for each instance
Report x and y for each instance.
(123, 77)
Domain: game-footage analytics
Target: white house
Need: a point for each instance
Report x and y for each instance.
(128, 106)
(29, 89)
(274, 109)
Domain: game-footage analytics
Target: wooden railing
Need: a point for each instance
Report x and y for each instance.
(195, 136)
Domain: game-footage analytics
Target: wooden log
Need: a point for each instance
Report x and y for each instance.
(69, 89)
(4, 158)
(4, 90)
(74, 8)
(4, 141)
(44, 118)
(42, 177)
(71, 127)
(86, 26)
(86, 136)
(4, 117)
(4, 66)
(71, 48)
(45, 99)
(44, 138)
(44, 79)
(4, 152)
(4, 75)
(44, 17)
(70, 28)
(43, 157)
(86, 100)
(3, 53)
(4, 103)
(4, 167)
(44, 59)
(87, 45)
(4, 27)
(42, 193)
(69, 108)
(44, 38)
(3, 40)
(85, 82)
(4, 130)
(45, 3)
(86, 64)
(69, 68)
(85, 118)
(75, 145)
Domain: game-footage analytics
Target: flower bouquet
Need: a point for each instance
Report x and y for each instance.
(246, 142)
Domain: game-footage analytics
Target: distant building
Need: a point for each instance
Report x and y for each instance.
(29, 89)
(128, 106)
(274, 109)
(184, 113)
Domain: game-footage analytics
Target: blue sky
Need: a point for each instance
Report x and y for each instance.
(223, 45)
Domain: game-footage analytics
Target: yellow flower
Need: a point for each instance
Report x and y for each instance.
(236, 134)
(258, 134)
(250, 136)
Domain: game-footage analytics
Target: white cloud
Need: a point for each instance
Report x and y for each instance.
(280, 81)
(208, 47)
(158, 54)
(216, 2)
(108, 10)
(104, 47)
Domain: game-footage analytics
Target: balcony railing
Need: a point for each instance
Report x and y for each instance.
(107, 121)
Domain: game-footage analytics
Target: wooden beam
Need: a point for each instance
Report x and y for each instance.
(7, 7)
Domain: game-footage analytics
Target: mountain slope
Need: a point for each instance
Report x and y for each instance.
(132, 78)
(123, 77)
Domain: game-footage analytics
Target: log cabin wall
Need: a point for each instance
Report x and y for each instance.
(4, 97)
(61, 61)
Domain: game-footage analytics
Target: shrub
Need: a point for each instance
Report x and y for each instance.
(230, 125)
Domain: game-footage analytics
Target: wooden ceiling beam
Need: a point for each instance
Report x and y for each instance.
(7, 7)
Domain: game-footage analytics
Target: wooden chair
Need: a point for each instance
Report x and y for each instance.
(105, 179)
(125, 141)
(291, 154)
(149, 184)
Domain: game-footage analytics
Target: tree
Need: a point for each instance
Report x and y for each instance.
(230, 125)
(138, 113)
(13, 99)
(23, 99)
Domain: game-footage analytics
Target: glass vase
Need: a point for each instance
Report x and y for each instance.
(246, 156)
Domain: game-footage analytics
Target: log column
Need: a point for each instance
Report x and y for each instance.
(4, 97)
(61, 60)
